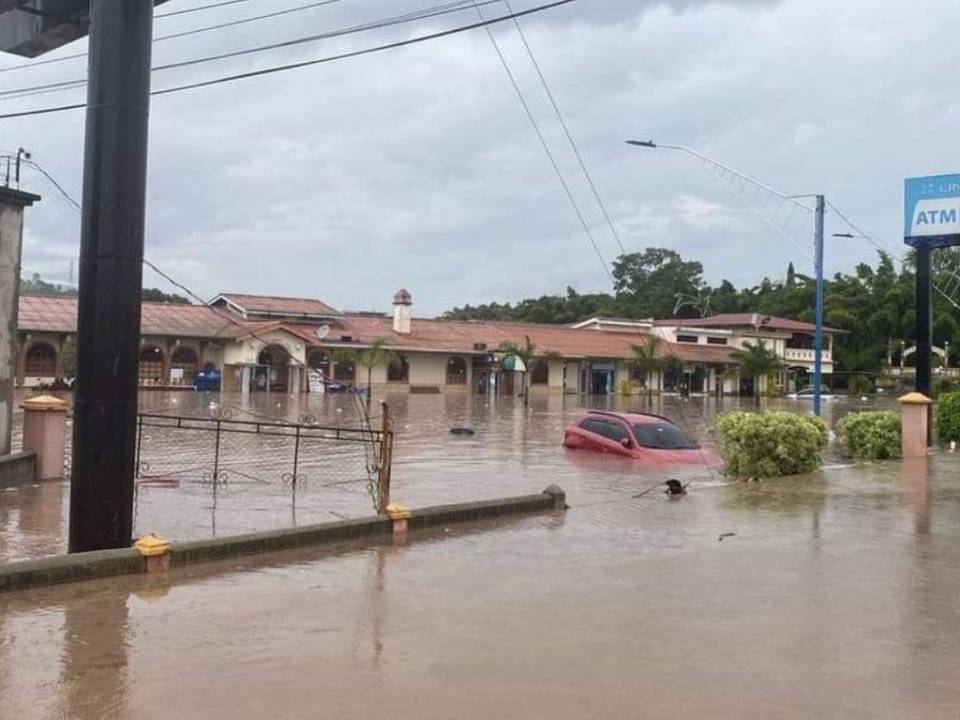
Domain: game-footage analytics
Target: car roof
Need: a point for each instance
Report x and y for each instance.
(632, 417)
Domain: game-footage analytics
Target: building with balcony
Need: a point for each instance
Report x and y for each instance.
(292, 345)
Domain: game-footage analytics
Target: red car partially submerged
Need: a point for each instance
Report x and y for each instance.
(651, 438)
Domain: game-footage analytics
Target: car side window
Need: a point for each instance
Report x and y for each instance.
(615, 431)
(594, 425)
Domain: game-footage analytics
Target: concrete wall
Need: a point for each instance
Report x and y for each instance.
(428, 368)
(18, 469)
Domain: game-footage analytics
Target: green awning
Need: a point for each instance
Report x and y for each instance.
(513, 363)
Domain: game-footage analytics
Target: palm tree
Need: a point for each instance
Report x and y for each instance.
(526, 354)
(757, 360)
(646, 362)
(375, 355)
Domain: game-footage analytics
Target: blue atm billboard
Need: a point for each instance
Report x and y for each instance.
(931, 215)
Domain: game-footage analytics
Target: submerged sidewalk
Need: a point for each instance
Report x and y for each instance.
(836, 596)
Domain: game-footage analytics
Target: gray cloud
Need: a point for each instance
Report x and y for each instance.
(417, 167)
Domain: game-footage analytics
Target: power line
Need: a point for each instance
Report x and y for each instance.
(422, 14)
(546, 147)
(566, 130)
(184, 33)
(200, 8)
(65, 84)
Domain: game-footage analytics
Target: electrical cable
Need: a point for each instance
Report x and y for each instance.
(305, 63)
(566, 130)
(422, 14)
(546, 146)
(173, 36)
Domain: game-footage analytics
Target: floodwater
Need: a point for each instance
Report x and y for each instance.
(833, 595)
(515, 450)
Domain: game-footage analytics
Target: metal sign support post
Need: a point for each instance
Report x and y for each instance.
(931, 220)
(818, 339)
(111, 257)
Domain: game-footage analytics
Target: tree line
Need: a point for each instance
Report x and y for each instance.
(875, 304)
(36, 284)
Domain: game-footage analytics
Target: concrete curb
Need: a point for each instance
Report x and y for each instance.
(105, 563)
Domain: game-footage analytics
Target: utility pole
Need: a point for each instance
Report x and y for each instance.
(111, 256)
(924, 329)
(818, 339)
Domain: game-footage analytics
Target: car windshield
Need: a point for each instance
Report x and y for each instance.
(662, 436)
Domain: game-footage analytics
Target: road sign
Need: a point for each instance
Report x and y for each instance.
(33, 27)
(932, 211)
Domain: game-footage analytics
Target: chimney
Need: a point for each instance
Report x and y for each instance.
(402, 304)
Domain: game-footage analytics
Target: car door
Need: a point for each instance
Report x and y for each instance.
(591, 435)
(615, 433)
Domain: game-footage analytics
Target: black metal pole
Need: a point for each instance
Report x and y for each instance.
(924, 320)
(924, 331)
(111, 256)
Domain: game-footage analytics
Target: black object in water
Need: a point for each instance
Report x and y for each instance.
(461, 431)
(675, 488)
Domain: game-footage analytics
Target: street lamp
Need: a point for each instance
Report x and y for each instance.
(818, 252)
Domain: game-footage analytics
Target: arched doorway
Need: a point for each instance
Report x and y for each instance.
(398, 371)
(183, 366)
(273, 369)
(151, 365)
(456, 371)
(41, 360)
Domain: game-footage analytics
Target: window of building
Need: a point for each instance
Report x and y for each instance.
(540, 372)
(183, 366)
(41, 360)
(716, 341)
(456, 371)
(345, 371)
(800, 341)
(687, 339)
(319, 360)
(151, 365)
(398, 370)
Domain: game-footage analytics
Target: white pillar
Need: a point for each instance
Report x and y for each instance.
(12, 203)
(294, 388)
(245, 377)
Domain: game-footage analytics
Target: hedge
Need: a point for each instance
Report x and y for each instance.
(771, 444)
(948, 417)
(870, 435)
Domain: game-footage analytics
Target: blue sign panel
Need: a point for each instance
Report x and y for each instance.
(932, 211)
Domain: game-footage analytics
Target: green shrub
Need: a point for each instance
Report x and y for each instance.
(870, 435)
(948, 417)
(771, 444)
(860, 385)
(943, 386)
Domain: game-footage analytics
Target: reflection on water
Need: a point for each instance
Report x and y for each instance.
(830, 596)
(515, 450)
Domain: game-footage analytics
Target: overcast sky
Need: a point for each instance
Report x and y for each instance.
(417, 167)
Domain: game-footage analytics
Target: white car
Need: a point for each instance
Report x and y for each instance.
(807, 394)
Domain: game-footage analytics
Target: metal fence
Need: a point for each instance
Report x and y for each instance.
(222, 452)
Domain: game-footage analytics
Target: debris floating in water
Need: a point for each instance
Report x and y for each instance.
(675, 488)
(461, 431)
(725, 535)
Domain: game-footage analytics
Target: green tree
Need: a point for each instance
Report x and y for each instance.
(647, 361)
(757, 360)
(376, 355)
(648, 283)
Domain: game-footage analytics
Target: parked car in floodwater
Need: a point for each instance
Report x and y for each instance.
(807, 394)
(650, 438)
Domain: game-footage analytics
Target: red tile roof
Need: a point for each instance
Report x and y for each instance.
(770, 322)
(280, 305)
(58, 313)
(461, 336)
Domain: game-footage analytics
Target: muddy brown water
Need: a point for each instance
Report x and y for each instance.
(829, 595)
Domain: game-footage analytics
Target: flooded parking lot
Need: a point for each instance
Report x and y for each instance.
(515, 450)
(830, 595)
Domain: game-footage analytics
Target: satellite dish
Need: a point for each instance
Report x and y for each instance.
(323, 331)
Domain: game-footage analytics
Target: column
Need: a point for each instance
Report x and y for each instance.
(12, 204)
